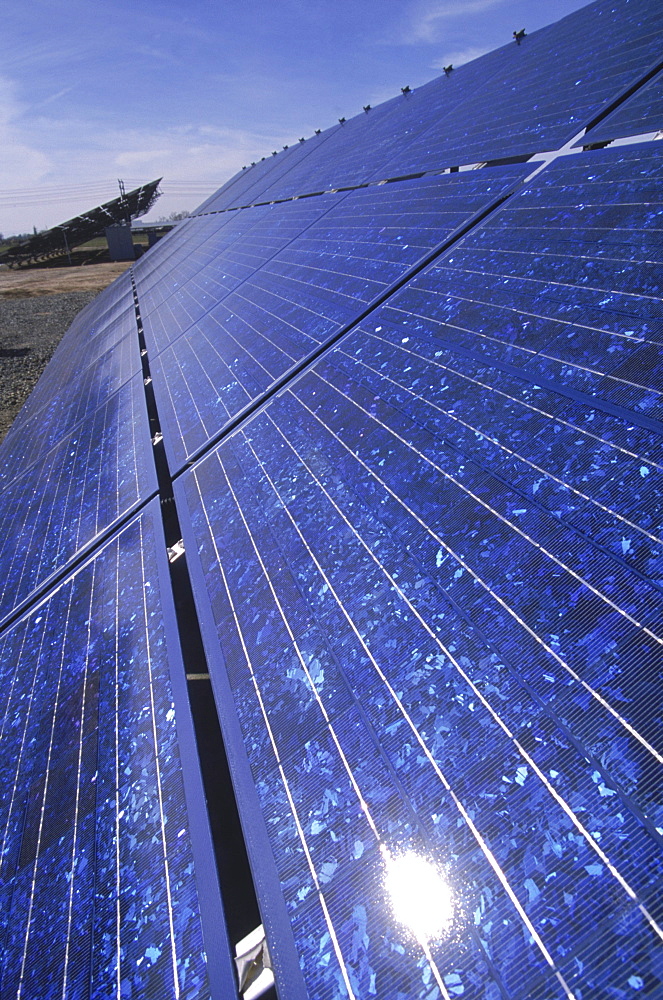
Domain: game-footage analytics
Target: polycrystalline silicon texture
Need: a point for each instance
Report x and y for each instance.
(562, 284)
(316, 264)
(639, 114)
(515, 101)
(78, 456)
(60, 404)
(74, 492)
(429, 570)
(98, 893)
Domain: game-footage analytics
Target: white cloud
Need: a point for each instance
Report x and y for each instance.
(426, 18)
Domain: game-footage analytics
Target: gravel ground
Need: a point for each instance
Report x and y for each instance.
(30, 330)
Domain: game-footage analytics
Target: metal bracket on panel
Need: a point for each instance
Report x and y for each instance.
(254, 965)
(143, 352)
(157, 438)
(175, 551)
(147, 380)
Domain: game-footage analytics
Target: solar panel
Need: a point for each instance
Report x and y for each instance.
(377, 718)
(39, 427)
(515, 101)
(549, 286)
(639, 114)
(82, 228)
(412, 440)
(424, 577)
(246, 187)
(101, 896)
(316, 265)
(75, 492)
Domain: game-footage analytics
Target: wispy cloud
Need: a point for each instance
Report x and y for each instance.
(426, 19)
(20, 162)
(52, 98)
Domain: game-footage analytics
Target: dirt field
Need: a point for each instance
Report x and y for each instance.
(23, 283)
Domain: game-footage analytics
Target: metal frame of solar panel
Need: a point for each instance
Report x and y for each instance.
(379, 470)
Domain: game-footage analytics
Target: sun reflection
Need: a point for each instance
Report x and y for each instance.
(420, 896)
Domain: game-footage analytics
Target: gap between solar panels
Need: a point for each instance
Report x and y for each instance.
(256, 405)
(235, 879)
(53, 581)
(506, 161)
(629, 92)
(570, 148)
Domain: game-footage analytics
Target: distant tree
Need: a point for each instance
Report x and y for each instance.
(173, 217)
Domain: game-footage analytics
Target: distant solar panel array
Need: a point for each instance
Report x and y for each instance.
(60, 239)
(411, 430)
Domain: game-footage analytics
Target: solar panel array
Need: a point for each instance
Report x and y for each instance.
(413, 436)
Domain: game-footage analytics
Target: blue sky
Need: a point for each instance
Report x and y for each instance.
(93, 90)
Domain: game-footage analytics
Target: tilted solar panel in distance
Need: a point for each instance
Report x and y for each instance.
(349, 248)
(639, 114)
(106, 865)
(75, 492)
(515, 101)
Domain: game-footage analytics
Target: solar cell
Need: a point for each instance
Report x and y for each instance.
(639, 114)
(316, 265)
(101, 895)
(74, 493)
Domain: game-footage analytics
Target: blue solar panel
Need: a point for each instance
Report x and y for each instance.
(342, 251)
(398, 687)
(198, 243)
(549, 286)
(515, 101)
(61, 405)
(641, 113)
(414, 435)
(74, 492)
(245, 187)
(100, 896)
(430, 578)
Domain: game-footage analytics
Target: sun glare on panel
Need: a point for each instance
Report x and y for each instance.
(420, 896)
